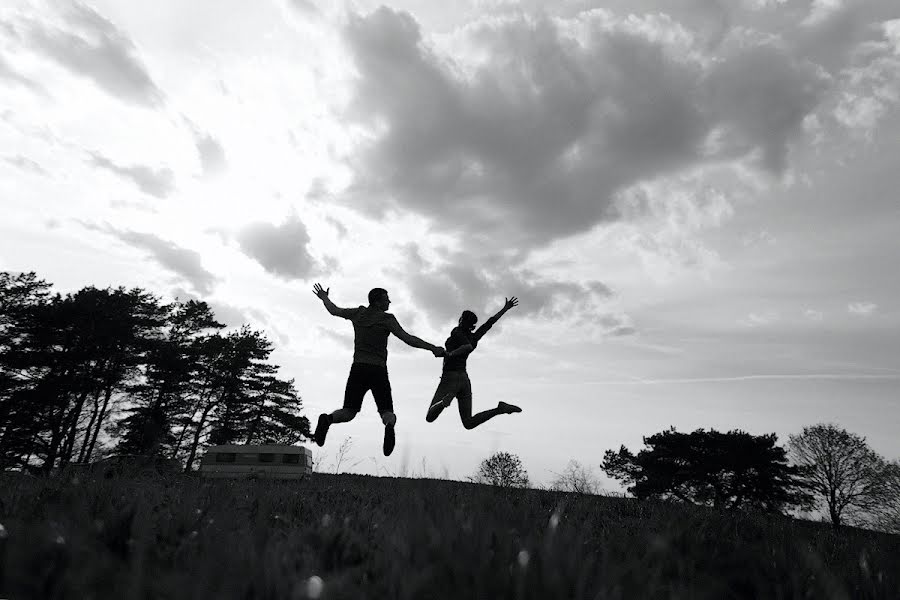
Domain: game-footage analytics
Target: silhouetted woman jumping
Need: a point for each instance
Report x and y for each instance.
(454, 379)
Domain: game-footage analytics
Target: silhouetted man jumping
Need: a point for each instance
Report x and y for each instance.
(454, 379)
(371, 327)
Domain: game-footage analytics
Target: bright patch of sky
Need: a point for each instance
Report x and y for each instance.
(694, 201)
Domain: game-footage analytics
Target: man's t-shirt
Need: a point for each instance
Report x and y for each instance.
(461, 337)
(371, 329)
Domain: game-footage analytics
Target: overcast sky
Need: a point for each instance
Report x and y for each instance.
(695, 201)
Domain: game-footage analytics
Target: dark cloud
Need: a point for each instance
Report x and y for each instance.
(155, 182)
(761, 97)
(270, 325)
(212, 155)
(280, 249)
(235, 317)
(615, 325)
(91, 46)
(303, 7)
(481, 284)
(226, 314)
(185, 263)
(339, 227)
(533, 143)
(343, 339)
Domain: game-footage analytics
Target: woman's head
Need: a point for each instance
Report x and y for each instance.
(468, 319)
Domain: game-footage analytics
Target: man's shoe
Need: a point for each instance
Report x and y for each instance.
(322, 429)
(508, 408)
(389, 439)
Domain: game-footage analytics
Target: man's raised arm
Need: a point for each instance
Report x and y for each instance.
(507, 304)
(335, 310)
(413, 341)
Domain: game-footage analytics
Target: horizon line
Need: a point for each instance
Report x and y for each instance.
(753, 377)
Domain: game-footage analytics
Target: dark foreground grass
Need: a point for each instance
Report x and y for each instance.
(365, 537)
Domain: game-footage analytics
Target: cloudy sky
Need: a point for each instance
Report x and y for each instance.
(695, 201)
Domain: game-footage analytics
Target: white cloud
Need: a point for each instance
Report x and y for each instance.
(822, 9)
(10, 74)
(663, 222)
(813, 314)
(892, 34)
(759, 319)
(863, 309)
(859, 113)
(26, 164)
(759, 238)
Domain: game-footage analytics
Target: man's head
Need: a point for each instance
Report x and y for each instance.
(378, 298)
(467, 320)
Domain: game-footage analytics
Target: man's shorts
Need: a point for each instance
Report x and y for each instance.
(454, 384)
(363, 378)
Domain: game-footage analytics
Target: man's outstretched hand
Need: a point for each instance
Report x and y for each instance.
(510, 302)
(321, 292)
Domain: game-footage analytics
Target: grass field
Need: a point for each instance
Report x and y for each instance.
(347, 536)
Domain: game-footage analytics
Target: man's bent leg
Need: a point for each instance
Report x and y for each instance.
(343, 415)
(354, 391)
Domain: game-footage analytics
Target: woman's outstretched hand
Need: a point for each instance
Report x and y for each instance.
(510, 302)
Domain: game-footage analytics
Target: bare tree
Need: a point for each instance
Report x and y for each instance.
(887, 516)
(576, 478)
(841, 471)
(503, 470)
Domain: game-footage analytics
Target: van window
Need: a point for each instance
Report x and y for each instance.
(266, 457)
(293, 459)
(225, 457)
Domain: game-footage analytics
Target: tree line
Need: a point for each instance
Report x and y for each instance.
(119, 370)
(823, 468)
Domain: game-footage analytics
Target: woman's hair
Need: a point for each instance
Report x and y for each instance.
(468, 317)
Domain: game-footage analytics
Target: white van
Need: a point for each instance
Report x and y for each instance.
(271, 461)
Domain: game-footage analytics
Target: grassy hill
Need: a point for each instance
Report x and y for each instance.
(346, 536)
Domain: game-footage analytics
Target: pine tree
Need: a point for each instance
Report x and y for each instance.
(162, 398)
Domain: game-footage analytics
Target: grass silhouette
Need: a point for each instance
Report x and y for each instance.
(352, 536)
